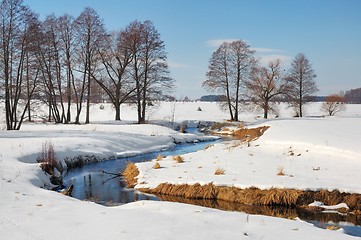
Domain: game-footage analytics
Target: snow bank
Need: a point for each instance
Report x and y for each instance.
(313, 154)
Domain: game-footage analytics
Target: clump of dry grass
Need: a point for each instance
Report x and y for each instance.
(250, 134)
(219, 171)
(178, 159)
(182, 129)
(156, 165)
(159, 157)
(130, 173)
(209, 146)
(218, 126)
(47, 158)
(280, 171)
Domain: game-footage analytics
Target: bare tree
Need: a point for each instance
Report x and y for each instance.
(116, 57)
(15, 53)
(334, 104)
(353, 95)
(229, 66)
(49, 56)
(266, 85)
(90, 34)
(301, 78)
(66, 41)
(149, 66)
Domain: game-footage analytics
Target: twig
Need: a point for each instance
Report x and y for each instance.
(114, 174)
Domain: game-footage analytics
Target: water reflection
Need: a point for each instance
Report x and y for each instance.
(92, 182)
(274, 211)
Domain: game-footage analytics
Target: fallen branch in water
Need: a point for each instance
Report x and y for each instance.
(114, 174)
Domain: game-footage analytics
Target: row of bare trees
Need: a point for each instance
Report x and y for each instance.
(235, 72)
(61, 60)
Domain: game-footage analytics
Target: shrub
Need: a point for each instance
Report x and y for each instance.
(178, 159)
(334, 104)
(47, 158)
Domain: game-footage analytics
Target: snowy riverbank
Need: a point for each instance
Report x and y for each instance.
(30, 212)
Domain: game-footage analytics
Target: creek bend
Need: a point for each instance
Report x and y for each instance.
(92, 182)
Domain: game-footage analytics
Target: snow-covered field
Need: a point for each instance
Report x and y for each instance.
(326, 154)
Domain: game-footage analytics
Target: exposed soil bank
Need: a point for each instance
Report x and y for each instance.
(252, 196)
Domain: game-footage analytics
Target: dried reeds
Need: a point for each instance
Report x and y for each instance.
(130, 174)
(250, 134)
(178, 159)
(156, 165)
(255, 196)
(159, 157)
(280, 171)
(219, 171)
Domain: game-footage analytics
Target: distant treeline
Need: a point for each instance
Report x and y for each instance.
(351, 96)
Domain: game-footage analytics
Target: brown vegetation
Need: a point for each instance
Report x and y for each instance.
(47, 159)
(178, 159)
(159, 157)
(334, 104)
(130, 174)
(250, 134)
(280, 171)
(156, 165)
(255, 196)
(219, 171)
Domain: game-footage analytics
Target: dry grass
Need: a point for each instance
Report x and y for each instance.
(219, 126)
(156, 165)
(280, 171)
(178, 159)
(250, 134)
(255, 196)
(182, 129)
(47, 158)
(209, 146)
(160, 157)
(130, 173)
(219, 171)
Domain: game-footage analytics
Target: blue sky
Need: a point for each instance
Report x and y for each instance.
(328, 32)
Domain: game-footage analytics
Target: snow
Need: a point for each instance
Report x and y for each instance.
(313, 153)
(329, 159)
(322, 205)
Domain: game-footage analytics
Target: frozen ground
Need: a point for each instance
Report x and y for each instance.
(27, 211)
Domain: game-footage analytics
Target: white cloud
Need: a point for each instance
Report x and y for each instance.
(265, 50)
(264, 54)
(217, 42)
(269, 54)
(177, 65)
(265, 59)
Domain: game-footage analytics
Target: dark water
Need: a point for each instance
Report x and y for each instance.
(99, 183)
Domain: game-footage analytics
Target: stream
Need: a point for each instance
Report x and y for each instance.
(93, 182)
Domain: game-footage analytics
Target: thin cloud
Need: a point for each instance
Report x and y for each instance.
(265, 55)
(217, 42)
(270, 54)
(177, 65)
(265, 59)
(266, 50)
